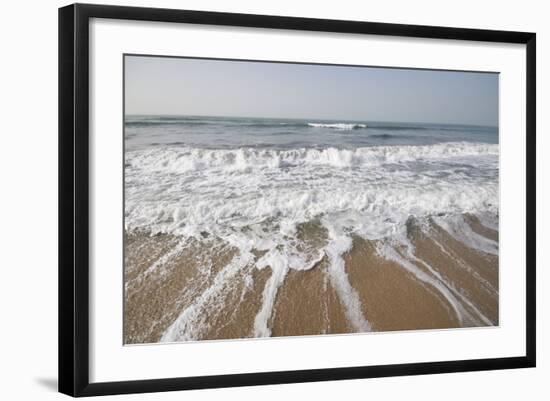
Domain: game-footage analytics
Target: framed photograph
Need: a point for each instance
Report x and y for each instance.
(250, 199)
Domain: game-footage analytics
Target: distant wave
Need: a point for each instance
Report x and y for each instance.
(339, 126)
(242, 123)
(266, 123)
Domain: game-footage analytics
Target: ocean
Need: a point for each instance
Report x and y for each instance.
(276, 197)
(142, 132)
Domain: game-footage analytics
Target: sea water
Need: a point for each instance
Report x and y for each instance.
(255, 183)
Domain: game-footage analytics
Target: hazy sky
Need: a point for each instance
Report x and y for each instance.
(158, 85)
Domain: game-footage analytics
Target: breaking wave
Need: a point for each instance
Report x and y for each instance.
(185, 159)
(340, 126)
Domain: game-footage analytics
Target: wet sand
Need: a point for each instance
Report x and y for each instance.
(308, 304)
(392, 298)
(442, 284)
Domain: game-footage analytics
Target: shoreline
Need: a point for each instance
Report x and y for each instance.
(194, 291)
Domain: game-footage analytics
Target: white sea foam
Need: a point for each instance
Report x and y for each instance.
(488, 220)
(339, 244)
(263, 199)
(189, 191)
(279, 267)
(460, 230)
(457, 300)
(181, 160)
(339, 126)
(464, 265)
(189, 324)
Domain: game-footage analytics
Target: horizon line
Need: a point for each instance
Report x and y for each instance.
(309, 118)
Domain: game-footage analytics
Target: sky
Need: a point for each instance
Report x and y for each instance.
(181, 86)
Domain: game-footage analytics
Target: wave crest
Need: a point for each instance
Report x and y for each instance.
(185, 159)
(339, 126)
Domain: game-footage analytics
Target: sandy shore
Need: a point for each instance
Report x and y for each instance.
(442, 283)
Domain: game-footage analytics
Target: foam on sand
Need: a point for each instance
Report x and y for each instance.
(260, 202)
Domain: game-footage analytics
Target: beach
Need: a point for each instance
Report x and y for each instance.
(243, 228)
(444, 285)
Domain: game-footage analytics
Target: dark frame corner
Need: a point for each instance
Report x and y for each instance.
(74, 191)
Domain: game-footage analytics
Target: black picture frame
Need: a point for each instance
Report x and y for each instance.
(74, 198)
